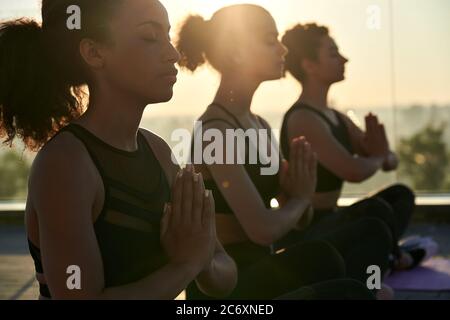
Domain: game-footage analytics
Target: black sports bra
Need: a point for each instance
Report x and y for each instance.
(128, 228)
(326, 180)
(267, 185)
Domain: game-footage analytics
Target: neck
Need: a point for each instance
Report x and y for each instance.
(114, 117)
(236, 94)
(315, 94)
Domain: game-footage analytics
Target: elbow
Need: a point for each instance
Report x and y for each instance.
(355, 175)
(263, 238)
(225, 290)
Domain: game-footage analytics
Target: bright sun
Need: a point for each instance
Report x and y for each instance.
(208, 7)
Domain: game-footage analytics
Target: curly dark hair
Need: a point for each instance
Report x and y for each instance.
(303, 42)
(41, 71)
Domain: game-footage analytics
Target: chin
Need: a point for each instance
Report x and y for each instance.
(275, 76)
(166, 97)
(161, 97)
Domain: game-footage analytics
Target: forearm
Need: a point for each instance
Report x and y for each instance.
(364, 168)
(220, 278)
(286, 218)
(164, 284)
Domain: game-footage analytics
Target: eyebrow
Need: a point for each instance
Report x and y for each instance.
(154, 24)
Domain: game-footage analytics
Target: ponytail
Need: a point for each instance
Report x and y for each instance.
(193, 40)
(34, 103)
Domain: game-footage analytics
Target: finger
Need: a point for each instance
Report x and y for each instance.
(187, 198)
(376, 120)
(177, 198)
(293, 158)
(306, 157)
(313, 162)
(165, 219)
(371, 126)
(300, 161)
(369, 122)
(383, 137)
(383, 133)
(208, 209)
(197, 204)
(284, 170)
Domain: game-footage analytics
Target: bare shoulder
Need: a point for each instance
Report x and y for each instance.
(162, 152)
(63, 154)
(63, 174)
(348, 121)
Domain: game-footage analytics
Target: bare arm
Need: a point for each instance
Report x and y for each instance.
(62, 190)
(262, 225)
(219, 277)
(331, 154)
(357, 136)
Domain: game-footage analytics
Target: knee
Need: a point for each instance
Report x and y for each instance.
(332, 258)
(379, 232)
(379, 207)
(329, 258)
(355, 290)
(403, 192)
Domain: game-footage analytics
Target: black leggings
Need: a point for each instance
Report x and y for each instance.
(362, 243)
(343, 289)
(393, 205)
(304, 271)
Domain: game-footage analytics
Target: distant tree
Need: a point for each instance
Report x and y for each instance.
(424, 159)
(14, 170)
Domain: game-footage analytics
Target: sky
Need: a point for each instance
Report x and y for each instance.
(408, 66)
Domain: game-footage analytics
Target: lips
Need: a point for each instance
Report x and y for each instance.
(170, 73)
(170, 76)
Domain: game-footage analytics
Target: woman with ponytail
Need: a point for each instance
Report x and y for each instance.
(346, 153)
(241, 43)
(105, 205)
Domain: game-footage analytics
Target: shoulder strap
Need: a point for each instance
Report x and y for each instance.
(303, 106)
(219, 120)
(228, 113)
(79, 133)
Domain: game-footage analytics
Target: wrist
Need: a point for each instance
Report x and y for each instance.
(302, 200)
(208, 268)
(379, 160)
(191, 269)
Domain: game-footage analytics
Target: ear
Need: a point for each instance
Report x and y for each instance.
(92, 53)
(309, 66)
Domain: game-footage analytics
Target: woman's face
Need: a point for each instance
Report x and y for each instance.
(262, 54)
(330, 65)
(141, 60)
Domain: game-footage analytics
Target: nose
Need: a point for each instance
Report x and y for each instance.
(172, 55)
(344, 59)
(283, 49)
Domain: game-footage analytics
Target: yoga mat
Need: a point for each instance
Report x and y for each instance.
(432, 275)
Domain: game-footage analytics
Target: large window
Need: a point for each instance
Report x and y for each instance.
(399, 69)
